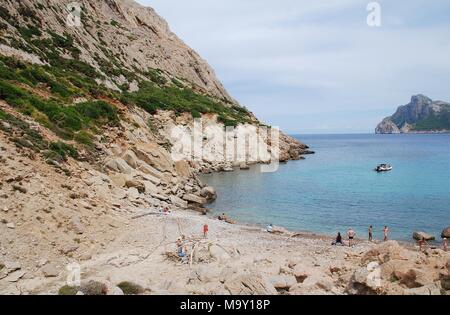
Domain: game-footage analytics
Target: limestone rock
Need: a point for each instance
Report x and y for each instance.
(76, 225)
(446, 233)
(422, 235)
(209, 193)
(50, 271)
(118, 165)
(283, 282)
(183, 168)
(195, 199)
(178, 202)
(131, 159)
(136, 184)
(253, 284)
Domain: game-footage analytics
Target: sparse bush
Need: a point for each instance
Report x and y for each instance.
(68, 290)
(94, 288)
(130, 288)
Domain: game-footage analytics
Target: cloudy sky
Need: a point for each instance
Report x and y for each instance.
(316, 66)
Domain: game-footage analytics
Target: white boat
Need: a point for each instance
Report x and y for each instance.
(384, 168)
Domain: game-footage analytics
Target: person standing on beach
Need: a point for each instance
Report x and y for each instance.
(205, 230)
(371, 233)
(445, 244)
(386, 233)
(351, 236)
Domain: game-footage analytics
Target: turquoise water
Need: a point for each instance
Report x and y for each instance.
(337, 188)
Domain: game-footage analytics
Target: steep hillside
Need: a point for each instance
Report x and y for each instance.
(421, 115)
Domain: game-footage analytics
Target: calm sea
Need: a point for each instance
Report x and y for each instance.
(337, 188)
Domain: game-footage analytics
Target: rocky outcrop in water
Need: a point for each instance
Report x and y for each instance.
(421, 115)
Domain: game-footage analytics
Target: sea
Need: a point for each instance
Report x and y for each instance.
(337, 188)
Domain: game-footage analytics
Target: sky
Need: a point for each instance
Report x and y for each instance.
(317, 66)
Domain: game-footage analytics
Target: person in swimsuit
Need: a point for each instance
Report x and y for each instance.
(351, 236)
(445, 244)
(386, 233)
(371, 233)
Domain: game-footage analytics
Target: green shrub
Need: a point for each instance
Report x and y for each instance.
(63, 150)
(68, 290)
(94, 288)
(98, 111)
(83, 137)
(130, 288)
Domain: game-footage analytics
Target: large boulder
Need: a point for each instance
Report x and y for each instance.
(246, 284)
(136, 184)
(183, 168)
(152, 154)
(118, 165)
(176, 201)
(195, 199)
(422, 235)
(446, 233)
(131, 159)
(209, 193)
(283, 282)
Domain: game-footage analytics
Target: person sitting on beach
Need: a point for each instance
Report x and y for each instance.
(422, 244)
(338, 240)
(445, 244)
(270, 228)
(180, 250)
(386, 233)
(166, 211)
(351, 236)
(371, 233)
(222, 217)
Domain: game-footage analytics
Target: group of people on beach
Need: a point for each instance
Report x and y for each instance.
(351, 234)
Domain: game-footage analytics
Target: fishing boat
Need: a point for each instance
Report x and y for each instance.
(384, 168)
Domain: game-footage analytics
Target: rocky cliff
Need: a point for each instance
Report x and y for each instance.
(421, 115)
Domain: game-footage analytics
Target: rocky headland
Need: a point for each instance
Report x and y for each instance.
(421, 115)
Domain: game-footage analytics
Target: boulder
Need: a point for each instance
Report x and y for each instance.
(118, 165)
(150, 188)
(246, 284)
(446, 233)
(152, 154)
(431, 289)
(195, 199)
(300, 273)
(151, 173)
(14, 276)
(119, 180)
(131, 159)
(50, 271)
(135, 184)
(132, 194)
(283, 282)
(76, 225)
(422, 235)
(176, 201)
(209, 193)
(183, 168)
